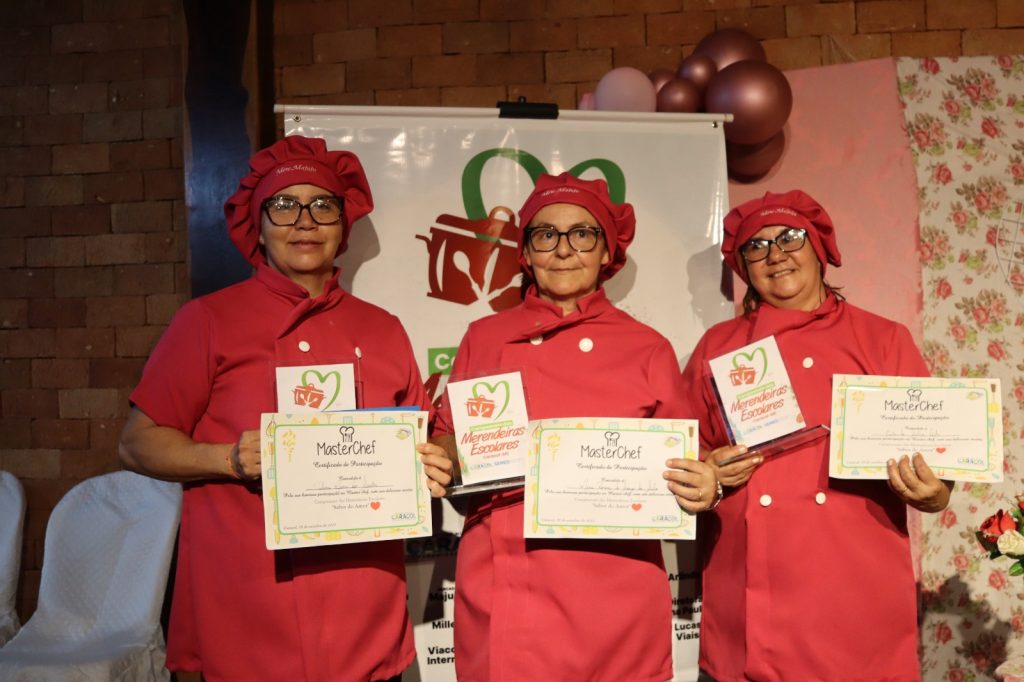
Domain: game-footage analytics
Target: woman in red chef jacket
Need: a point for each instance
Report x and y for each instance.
(240, 611)
(569, 609)
(805, 577)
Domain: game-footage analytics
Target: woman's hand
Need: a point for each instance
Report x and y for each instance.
(437, 467)
(244, 458)
(915, 483)
(693, 483)
(736, 473)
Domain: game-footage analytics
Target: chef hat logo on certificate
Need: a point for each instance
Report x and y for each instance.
(757, 401)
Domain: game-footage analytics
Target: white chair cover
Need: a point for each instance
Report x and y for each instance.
(107, 551)
(12, 520)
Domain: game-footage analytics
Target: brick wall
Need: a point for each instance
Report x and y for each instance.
(92, 240)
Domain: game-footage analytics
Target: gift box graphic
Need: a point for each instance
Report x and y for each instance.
(480, 406)
(308, 395)
(742, 375)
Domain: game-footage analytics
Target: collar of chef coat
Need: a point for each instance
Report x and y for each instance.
(302, 303)
(543, 317)
(769, 320)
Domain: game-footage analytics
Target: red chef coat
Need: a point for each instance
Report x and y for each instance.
(807, 577)
(241, 611)
(563, 609)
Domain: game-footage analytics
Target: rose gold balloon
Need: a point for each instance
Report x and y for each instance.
(756, 94)
(661, 76)
(730, 45)
(679, 96)
(748, 162)
(699, 69)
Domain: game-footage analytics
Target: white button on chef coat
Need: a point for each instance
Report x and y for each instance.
(820, 498)
(808, 362)
(304, 346)
(536, 340)
(766, 500)
(586, 345)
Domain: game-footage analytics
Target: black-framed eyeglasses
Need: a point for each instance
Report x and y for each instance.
(581, 238)
(285, 211)
(792, 239)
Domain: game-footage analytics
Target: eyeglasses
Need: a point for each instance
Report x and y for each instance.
(581, 238)
(285, 211)
(788, 241)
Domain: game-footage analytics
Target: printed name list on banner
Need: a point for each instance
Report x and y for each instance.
(490, 427)
(337, 478)
(956, 424)
(602, 478)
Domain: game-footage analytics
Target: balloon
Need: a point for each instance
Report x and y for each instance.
(756, 94)
(661, 76)
(586, 102)
(728, 46)
(680, 96)
(698, 69)
(750, 161)
(625, 89)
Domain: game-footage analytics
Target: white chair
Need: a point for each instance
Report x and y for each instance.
(12, 520)
(106, 556)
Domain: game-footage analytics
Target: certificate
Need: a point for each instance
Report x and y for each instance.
(592, 478)
(336, 478)
(956, 424)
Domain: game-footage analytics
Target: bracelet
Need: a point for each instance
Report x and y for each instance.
(719, 494)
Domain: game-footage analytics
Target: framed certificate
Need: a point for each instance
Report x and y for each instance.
(336, 478)
(956, 424)
(593, 478)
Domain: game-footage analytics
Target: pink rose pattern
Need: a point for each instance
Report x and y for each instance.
(965, 123)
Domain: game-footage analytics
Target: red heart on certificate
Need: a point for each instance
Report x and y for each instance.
(940, 450)
(375, 505)
(636, 506)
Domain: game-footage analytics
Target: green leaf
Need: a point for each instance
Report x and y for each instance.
(1016, 569)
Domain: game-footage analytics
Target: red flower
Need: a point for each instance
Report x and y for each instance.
(943, 633)
(1018, 394)
(930, 65)
(1017, 623)
(943, 288)
(989, 127)
(926, 251)
(948, 518)
(980, 315)
(955, 675)
(1004, 61)
(997, 524)
(973, 92)
(997, 579)
(958, 332)
(1016, 280)
(1017, 171)
(942, 174)
(982, 201)
(961, 562)
(922, 138)
(959, 218)
(996, 350)
(992, 235)
(952, 107)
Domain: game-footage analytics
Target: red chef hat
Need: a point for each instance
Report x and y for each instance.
(295, 160)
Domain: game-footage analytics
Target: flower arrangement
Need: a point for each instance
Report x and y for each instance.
(1000, 535)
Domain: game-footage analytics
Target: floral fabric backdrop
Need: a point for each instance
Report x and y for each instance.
(965, 120)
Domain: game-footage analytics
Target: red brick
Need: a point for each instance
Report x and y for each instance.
(104, 434)
(926, 44)
(440, 70)
(684, 28)
(313, 79)
(57, 312)
(179, 215)
(12, 131)
(78, 98)
(25, 161)
(54, 190)
(81, 158)
(406, 41)
(60, 373)
(162, 62)
(993, 41)
(562, 95)
(165, 247)
(626, 31)
(151, 278)
(80, 342)
(648, 58)
(45, 12)
(580, 8)
(963, 14)
(91, 37)
(112, 188)
(647, 6)
(16, 433)
(22, 222)
(114, 126)
(382, 74)
(111, 249)
(578, 65)
(13, 71)
(473, 96)
(535, 36)
(12, 253)
(25, 40)
(845, 49)
(362, 13)
(12, 191)
(30, 402)
(57, 129)
(890, 15)
(55, 252)
(160, 308)
(148, 93)
(760, 22)
(141, 216)
(115, 372)
(53, 68)
(162, 123)
(112, 10)
(440, 11)
(15, 373)
(137, 342)
(115, 311)
(164, 184)
(814, 20)
(79, 464)
(139, 155)
(120, 65)
(476, 37)
(24, 100)
(793, 53)
(13, 314)
(89, 403)
(27, 343)
(502, 69)
(90, 281)
(77, 220)
(1009, 13)
(511, 10)
(141, 33)
(309, 17)
(26, 464)
(298, 49)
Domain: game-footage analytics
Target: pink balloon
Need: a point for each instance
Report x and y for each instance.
(698, 69)
(679, 96)
(625, 89)
(586, 102)
(730, 45)
(661, 76)
(749, 162)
